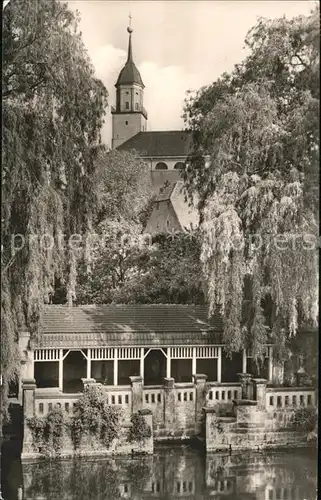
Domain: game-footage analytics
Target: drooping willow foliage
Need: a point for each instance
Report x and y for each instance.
(53, 109)
(258, 185)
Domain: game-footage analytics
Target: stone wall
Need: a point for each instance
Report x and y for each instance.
(89, 445)
(252, 412)
(250, 432)
(261, 419)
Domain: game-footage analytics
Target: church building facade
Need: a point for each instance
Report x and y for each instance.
(165, 152)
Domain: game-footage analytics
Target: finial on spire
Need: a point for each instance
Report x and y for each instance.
(130, 29)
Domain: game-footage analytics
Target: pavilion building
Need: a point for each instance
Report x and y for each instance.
(111, 343)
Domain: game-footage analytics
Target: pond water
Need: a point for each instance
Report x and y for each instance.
(171, 473)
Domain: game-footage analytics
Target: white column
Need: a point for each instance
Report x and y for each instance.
(142, 360)
(244, 361)
(116, 366)
(31, 364)
(88, 363)
(219, 365)
(194, 361)
(270, 364)
(168, 363)
(61, 369)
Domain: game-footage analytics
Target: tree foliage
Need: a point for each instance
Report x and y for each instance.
(53, 108)
(133, 268)
(123, 186)
(258, 193)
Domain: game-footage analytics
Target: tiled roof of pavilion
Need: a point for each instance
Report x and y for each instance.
(131, 325)
(128, 325)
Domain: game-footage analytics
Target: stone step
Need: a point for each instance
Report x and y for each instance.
(227, 420)
(251, 425)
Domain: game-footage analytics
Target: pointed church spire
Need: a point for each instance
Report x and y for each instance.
(129, 74)
(130, 30)
(130, 50)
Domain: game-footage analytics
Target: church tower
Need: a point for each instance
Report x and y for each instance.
(129, 116)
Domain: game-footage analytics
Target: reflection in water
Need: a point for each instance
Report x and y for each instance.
(174, 473)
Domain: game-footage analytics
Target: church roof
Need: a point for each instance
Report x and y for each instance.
(187, 216)
(121, 325)
(129, 74)
(165, 192)
(162, 144)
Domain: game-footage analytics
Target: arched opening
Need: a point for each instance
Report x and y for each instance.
(161, 166)
(179, 165)
(74, 369)
(154, 367)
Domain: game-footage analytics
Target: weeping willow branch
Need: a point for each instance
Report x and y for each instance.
(52, 118)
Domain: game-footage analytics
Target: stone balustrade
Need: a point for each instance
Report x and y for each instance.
(177, 409)
(263, 417)
(223, 393)
(289, 397)
(153, 397)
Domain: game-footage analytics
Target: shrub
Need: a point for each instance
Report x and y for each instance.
(305, 419)
(92, 416)
(53, 430)
(37, 426)
(47, 432)
(95, 417)
(139, 429)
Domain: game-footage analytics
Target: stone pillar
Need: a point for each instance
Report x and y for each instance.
(137, 393)
(200, 399)
(213, 437)
(246, 385)
(277, 372)
(28, 388)
(302, 378)
(88, 382)
(148, 443)
(248, 414)
(169, 403)
(26, 362)
(260, 392)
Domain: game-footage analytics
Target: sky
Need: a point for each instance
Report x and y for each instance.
(177, 45)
